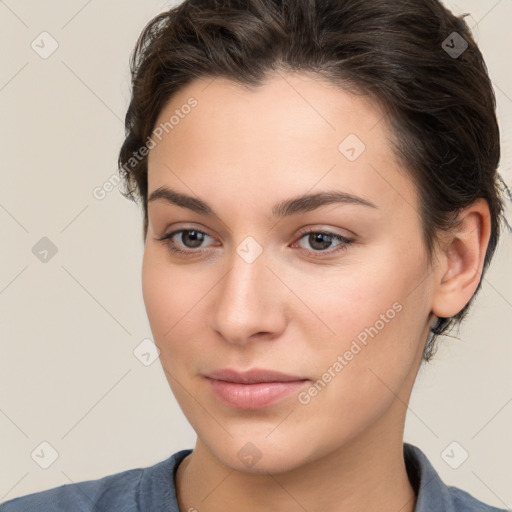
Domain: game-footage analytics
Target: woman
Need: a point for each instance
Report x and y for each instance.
(333, 165)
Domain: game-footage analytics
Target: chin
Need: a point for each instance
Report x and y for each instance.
(257, 454)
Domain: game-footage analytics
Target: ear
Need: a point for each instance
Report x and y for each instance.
(461, 258)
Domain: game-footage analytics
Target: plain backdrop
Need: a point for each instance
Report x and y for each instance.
(70, 325)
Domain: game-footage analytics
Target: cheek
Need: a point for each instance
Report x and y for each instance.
(173, 304)
(373, 313)
(163, 297)
(341, 303)
(164, 289)
(363, 368)
(155, 293)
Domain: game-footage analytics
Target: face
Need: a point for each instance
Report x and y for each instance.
(336, 295)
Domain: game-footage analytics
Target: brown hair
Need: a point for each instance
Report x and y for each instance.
(441, 104)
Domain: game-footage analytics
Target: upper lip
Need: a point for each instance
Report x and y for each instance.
(252, 376)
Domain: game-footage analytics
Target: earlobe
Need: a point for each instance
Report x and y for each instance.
(461, 260)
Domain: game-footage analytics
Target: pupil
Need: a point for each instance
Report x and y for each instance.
(317, 237)
(194, 235)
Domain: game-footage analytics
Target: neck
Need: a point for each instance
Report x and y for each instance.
(366, 473)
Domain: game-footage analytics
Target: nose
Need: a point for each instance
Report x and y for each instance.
(250, 302)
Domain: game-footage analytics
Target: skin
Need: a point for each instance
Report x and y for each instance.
(242, 151)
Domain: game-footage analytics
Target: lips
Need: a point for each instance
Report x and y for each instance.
(253, 389)
(252, 376)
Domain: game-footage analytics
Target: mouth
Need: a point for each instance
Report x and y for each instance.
(253, 389)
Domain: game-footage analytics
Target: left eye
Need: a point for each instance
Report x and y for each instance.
(319, 240)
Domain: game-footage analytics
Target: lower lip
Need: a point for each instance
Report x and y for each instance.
(253, 396)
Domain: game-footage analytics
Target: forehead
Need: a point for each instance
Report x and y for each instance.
(285, 106)
(291, 134)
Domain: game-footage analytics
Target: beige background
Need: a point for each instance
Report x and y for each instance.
(69, 326)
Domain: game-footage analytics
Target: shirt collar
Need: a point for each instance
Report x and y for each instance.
(431, 492)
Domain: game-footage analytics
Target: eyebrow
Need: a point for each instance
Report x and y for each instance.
(300, 204)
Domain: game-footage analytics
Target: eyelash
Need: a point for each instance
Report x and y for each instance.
(171, 246)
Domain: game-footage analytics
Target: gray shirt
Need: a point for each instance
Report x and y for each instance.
(152, 489)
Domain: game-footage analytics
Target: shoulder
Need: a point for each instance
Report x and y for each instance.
(117, 489)
(462, 500)
(432, 493)
(124, 491)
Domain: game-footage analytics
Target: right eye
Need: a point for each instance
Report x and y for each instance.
(194, 235)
